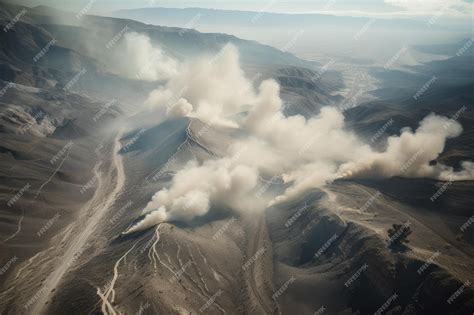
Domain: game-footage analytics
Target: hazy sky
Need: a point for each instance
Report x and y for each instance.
(340, 7)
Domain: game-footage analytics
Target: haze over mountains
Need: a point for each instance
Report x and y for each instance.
(152, 169)
(324, 35)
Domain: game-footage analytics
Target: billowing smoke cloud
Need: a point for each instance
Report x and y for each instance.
(304, 153)
(136, 58)
(410, 154)
(211, 89)
(196, 187)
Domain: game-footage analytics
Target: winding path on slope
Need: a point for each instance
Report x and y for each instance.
(457, 262)
(38, 191)
(104, 197)
(418, 220)
(255, 246)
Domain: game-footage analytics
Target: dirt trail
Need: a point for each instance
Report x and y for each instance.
(256, 244)
(18, 230)
(418, 219)
(456, 260)
(108, 297)
(108, 189)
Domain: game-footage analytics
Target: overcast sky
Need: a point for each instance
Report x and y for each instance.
(386, 8)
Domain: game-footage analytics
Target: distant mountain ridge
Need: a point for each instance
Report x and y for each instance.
(210, 16)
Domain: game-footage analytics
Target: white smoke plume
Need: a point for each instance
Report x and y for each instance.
(211, 89)
(409, 154)
(136, 58)
(305, 153)
(196, 187)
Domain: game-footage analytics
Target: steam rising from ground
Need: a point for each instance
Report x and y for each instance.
(305, 153)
